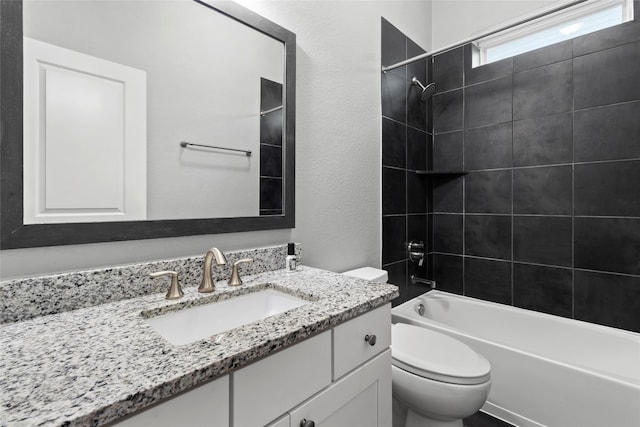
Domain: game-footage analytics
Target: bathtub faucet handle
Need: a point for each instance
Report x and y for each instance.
(416, 252)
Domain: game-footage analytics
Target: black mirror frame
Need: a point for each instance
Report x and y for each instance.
(14, 234)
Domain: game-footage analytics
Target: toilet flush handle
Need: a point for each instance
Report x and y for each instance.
(305, 423)
(371, 339)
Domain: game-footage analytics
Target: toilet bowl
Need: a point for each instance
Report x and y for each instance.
(437, 380)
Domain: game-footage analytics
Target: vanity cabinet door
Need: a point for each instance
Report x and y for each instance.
(268, 388)
(206, 405)
(349, 345)
(362, 398)
(281, 422)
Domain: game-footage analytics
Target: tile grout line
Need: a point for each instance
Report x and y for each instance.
(464, 178)
(573, 188)
(512, 185)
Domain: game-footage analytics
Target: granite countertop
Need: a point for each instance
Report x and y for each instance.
(93, 365)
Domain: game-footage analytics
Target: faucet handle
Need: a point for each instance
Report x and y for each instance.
(235, 279)
(175, 291)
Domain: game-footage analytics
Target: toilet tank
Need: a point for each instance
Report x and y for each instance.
(369, 273)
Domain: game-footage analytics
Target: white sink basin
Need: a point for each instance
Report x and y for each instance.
(195, 323)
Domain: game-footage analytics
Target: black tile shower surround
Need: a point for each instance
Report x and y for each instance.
(448, 233)
(607, 189)
(543, 90)
(548, 218)
(393, 249)
(597, 82)
(417, 152)
(488, 147)
(543, 190)
(607, 133)
(447, 70)
(404, 150)
(545, 140)
(488, 191)
(488, 279)
(489, 103)
(543, 288)
(447, 151)
(394, 191)
(487, 236)
(394, 150)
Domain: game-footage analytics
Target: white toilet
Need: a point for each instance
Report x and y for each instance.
(437, 380)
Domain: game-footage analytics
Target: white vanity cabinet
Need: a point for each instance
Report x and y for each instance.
(205, 405)
(270, 387)
(357, 392)
(361, 398)
(336, 378)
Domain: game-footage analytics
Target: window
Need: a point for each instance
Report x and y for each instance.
(565, 24)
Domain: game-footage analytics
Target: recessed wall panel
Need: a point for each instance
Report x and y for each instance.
(84, 137)
(83, 141)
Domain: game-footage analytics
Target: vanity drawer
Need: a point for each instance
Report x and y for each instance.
(270, 387)
(349, 346)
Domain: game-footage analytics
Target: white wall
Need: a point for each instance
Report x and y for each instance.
(455, 21)
(337, 141)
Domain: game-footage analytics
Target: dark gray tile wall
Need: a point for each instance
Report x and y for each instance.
(548, 217)
(405, 149)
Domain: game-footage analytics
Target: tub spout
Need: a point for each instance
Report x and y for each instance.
(415, 280)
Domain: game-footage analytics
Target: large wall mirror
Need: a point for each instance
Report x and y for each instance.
(128, 119)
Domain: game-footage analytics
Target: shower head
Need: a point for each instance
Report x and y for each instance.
(427, 91)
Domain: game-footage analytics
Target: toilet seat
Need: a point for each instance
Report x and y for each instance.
(436, 356)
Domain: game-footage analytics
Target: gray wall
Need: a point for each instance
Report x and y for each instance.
(548, 217)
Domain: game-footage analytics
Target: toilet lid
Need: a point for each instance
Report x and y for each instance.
(436, 356)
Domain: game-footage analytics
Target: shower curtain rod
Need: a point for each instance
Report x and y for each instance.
(384, 68)
(406, 61)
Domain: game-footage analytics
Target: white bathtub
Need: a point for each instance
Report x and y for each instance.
(546, 370)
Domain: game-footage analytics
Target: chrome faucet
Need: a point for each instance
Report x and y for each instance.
(207, 280)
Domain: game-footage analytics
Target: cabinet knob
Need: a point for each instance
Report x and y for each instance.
(371, 339)
(305, 423)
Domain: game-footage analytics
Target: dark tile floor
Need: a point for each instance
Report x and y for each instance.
(480, 419)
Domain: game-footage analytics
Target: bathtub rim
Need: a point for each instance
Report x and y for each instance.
(539, 314)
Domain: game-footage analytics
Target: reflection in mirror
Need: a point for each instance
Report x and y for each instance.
(270, 147)
(199, 77)
(111, 90)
